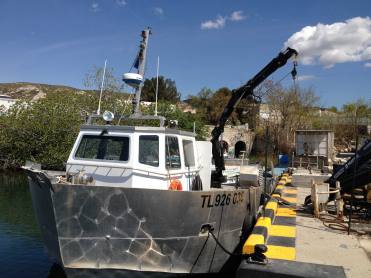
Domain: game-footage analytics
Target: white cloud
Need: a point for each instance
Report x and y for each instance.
(121, 3)
(94, 7)
(158, 11)
(221, 21)
(368, 65)
(237, 16)
(305, 77)
(330, 44)
(217, 23)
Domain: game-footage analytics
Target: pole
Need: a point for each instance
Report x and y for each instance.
(265, 163)
(266, 159)
(101, 87)
(158, 67)
(142, 56)
(354, 175)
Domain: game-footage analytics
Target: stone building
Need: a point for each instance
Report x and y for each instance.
(238, 140)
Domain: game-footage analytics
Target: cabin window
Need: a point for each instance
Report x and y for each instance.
(103, 147)
(189, 158)
(172, 153)
(148, 150)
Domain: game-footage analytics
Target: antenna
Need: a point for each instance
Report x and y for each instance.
(140, 64)
(158, 67)
(101, 87)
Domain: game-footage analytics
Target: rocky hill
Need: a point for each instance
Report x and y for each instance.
(33, 91)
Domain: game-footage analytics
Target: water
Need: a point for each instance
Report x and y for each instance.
(22, 253)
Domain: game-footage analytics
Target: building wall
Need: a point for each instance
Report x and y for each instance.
(314, 142)
(235, 134)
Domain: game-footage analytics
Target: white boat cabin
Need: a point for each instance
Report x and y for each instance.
(140, 157)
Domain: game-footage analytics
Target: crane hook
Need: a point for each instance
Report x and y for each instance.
(294, 71)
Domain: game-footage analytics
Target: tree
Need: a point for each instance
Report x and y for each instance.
(333, 109)
(352, 116)
(167, 90)
(186, 121)
(42, 131)
(289, 109)
(210, 105)
(217, 104)
(93, 80)
(201, 103)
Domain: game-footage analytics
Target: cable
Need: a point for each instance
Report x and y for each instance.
(199, 254)
(332, 222)
(221, 246)
(279, 81)
(210, 231)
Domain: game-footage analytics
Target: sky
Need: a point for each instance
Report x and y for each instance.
(205, 43)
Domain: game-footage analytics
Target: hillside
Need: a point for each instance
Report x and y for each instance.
(27, 90)
(34, 91)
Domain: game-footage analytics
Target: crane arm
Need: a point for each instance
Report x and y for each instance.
(361, 160)
(244, 91)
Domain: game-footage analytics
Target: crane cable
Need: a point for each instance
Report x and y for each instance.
(293, 73)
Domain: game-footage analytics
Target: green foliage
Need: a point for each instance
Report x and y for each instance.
(352, 121)
(218, 102)
(210, 106)
(42, 131)
(201, 103)
(185, 120)
(358, 109)
(167, 90)
(333, 109)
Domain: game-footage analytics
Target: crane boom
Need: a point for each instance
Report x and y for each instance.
(244, 91)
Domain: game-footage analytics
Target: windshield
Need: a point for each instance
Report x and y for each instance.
(148, 150)
(103, 147)
(172, 153)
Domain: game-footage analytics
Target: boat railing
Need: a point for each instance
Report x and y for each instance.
(167, 174)
(138, 120)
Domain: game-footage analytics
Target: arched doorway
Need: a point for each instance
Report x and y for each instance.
(225, 147)
(239, 148)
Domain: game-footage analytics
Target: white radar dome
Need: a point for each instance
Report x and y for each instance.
(132, 79)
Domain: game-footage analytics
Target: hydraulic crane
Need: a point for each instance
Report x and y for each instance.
(361, 162)
(245, 91)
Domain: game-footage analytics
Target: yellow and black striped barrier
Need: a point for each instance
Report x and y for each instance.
(261, 230)
(276, 228)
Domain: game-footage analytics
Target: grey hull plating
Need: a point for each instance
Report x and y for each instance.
(96, 227)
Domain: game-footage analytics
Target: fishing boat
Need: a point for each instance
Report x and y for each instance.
(140, 198)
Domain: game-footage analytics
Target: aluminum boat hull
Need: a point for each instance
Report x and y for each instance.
(100, 227)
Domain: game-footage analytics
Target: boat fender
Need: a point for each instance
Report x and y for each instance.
(176, 185)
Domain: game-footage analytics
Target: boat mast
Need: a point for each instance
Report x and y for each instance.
(141, 63)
